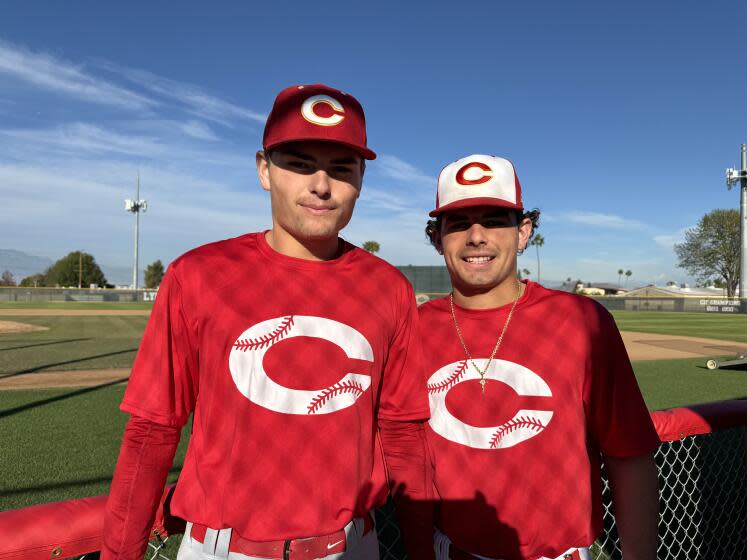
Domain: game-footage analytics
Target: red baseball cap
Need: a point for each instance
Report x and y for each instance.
(317, 112)
(478, 180)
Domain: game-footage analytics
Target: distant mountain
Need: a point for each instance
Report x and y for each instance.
(22, 264)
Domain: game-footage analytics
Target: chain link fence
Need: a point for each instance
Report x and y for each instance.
(702, 499)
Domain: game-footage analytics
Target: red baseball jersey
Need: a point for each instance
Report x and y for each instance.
(517, 467)
(286, 364)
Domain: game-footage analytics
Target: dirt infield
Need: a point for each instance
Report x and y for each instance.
(7, 327)
(54, 379)
(70, 312)
(649, 346)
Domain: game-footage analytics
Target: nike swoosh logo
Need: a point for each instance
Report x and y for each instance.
(334, 544)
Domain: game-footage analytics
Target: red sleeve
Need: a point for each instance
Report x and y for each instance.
(144, 460)
(403, 393)
(620, 422)
(410, 474)
(163, 384)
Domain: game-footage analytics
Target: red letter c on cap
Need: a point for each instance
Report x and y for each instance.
(483, 178)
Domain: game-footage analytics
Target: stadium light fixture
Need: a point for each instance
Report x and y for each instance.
(136, 206)
(734, 176)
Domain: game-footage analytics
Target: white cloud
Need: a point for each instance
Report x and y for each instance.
(375, 198)
(668, 240)
(596, 219)
(399, 170)
(87, 138)
(595, 261)
(548, 218)
(198, 130)
(55, 74)
(87, 141)
(195, 99)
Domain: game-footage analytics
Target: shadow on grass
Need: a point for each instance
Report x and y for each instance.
(45, 344)
(68, 362)
(67, 484)
(50, 400)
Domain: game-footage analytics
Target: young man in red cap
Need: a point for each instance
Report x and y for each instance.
(296, 353)
(527, 386)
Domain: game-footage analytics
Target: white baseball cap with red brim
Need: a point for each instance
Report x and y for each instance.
(478, 180)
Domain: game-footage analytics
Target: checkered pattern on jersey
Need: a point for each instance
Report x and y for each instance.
(509, 499)
(295, 360)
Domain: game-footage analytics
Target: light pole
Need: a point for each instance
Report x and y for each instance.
(732, 178)
(136, 206)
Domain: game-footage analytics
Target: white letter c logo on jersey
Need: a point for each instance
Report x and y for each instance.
(247, 371)
(308, 110)
(523, 425)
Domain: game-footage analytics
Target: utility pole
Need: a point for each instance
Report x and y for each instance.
(136, 206)
(732, 178)
(80, 269)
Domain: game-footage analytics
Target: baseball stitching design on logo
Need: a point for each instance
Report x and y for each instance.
(450, 381)
(267, 340)
(245, 363)
(461, 176)
(308, 112)
(330, 392)
(525, 424)
(514, 424)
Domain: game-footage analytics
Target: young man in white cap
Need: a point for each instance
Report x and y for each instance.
(296, 353)
(527, 386)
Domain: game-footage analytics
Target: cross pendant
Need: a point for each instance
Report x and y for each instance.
(482, 384)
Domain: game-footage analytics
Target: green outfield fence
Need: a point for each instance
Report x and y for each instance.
(429, 282)
(622, 303)
(42, 295)
(689, 304)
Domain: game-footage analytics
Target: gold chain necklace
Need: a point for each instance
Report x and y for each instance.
(484, 371)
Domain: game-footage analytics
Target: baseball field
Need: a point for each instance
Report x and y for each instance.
(63, 369)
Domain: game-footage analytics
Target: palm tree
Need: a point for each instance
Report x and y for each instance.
(628, 274)
(538, 241)
(620, 272)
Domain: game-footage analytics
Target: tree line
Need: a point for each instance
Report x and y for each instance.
(78, 269)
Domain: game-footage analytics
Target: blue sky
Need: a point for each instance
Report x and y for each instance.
(619, 118)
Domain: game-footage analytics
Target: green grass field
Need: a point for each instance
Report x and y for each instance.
(71, 343)
(721, 326)
(671, 383)
(60, 444)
